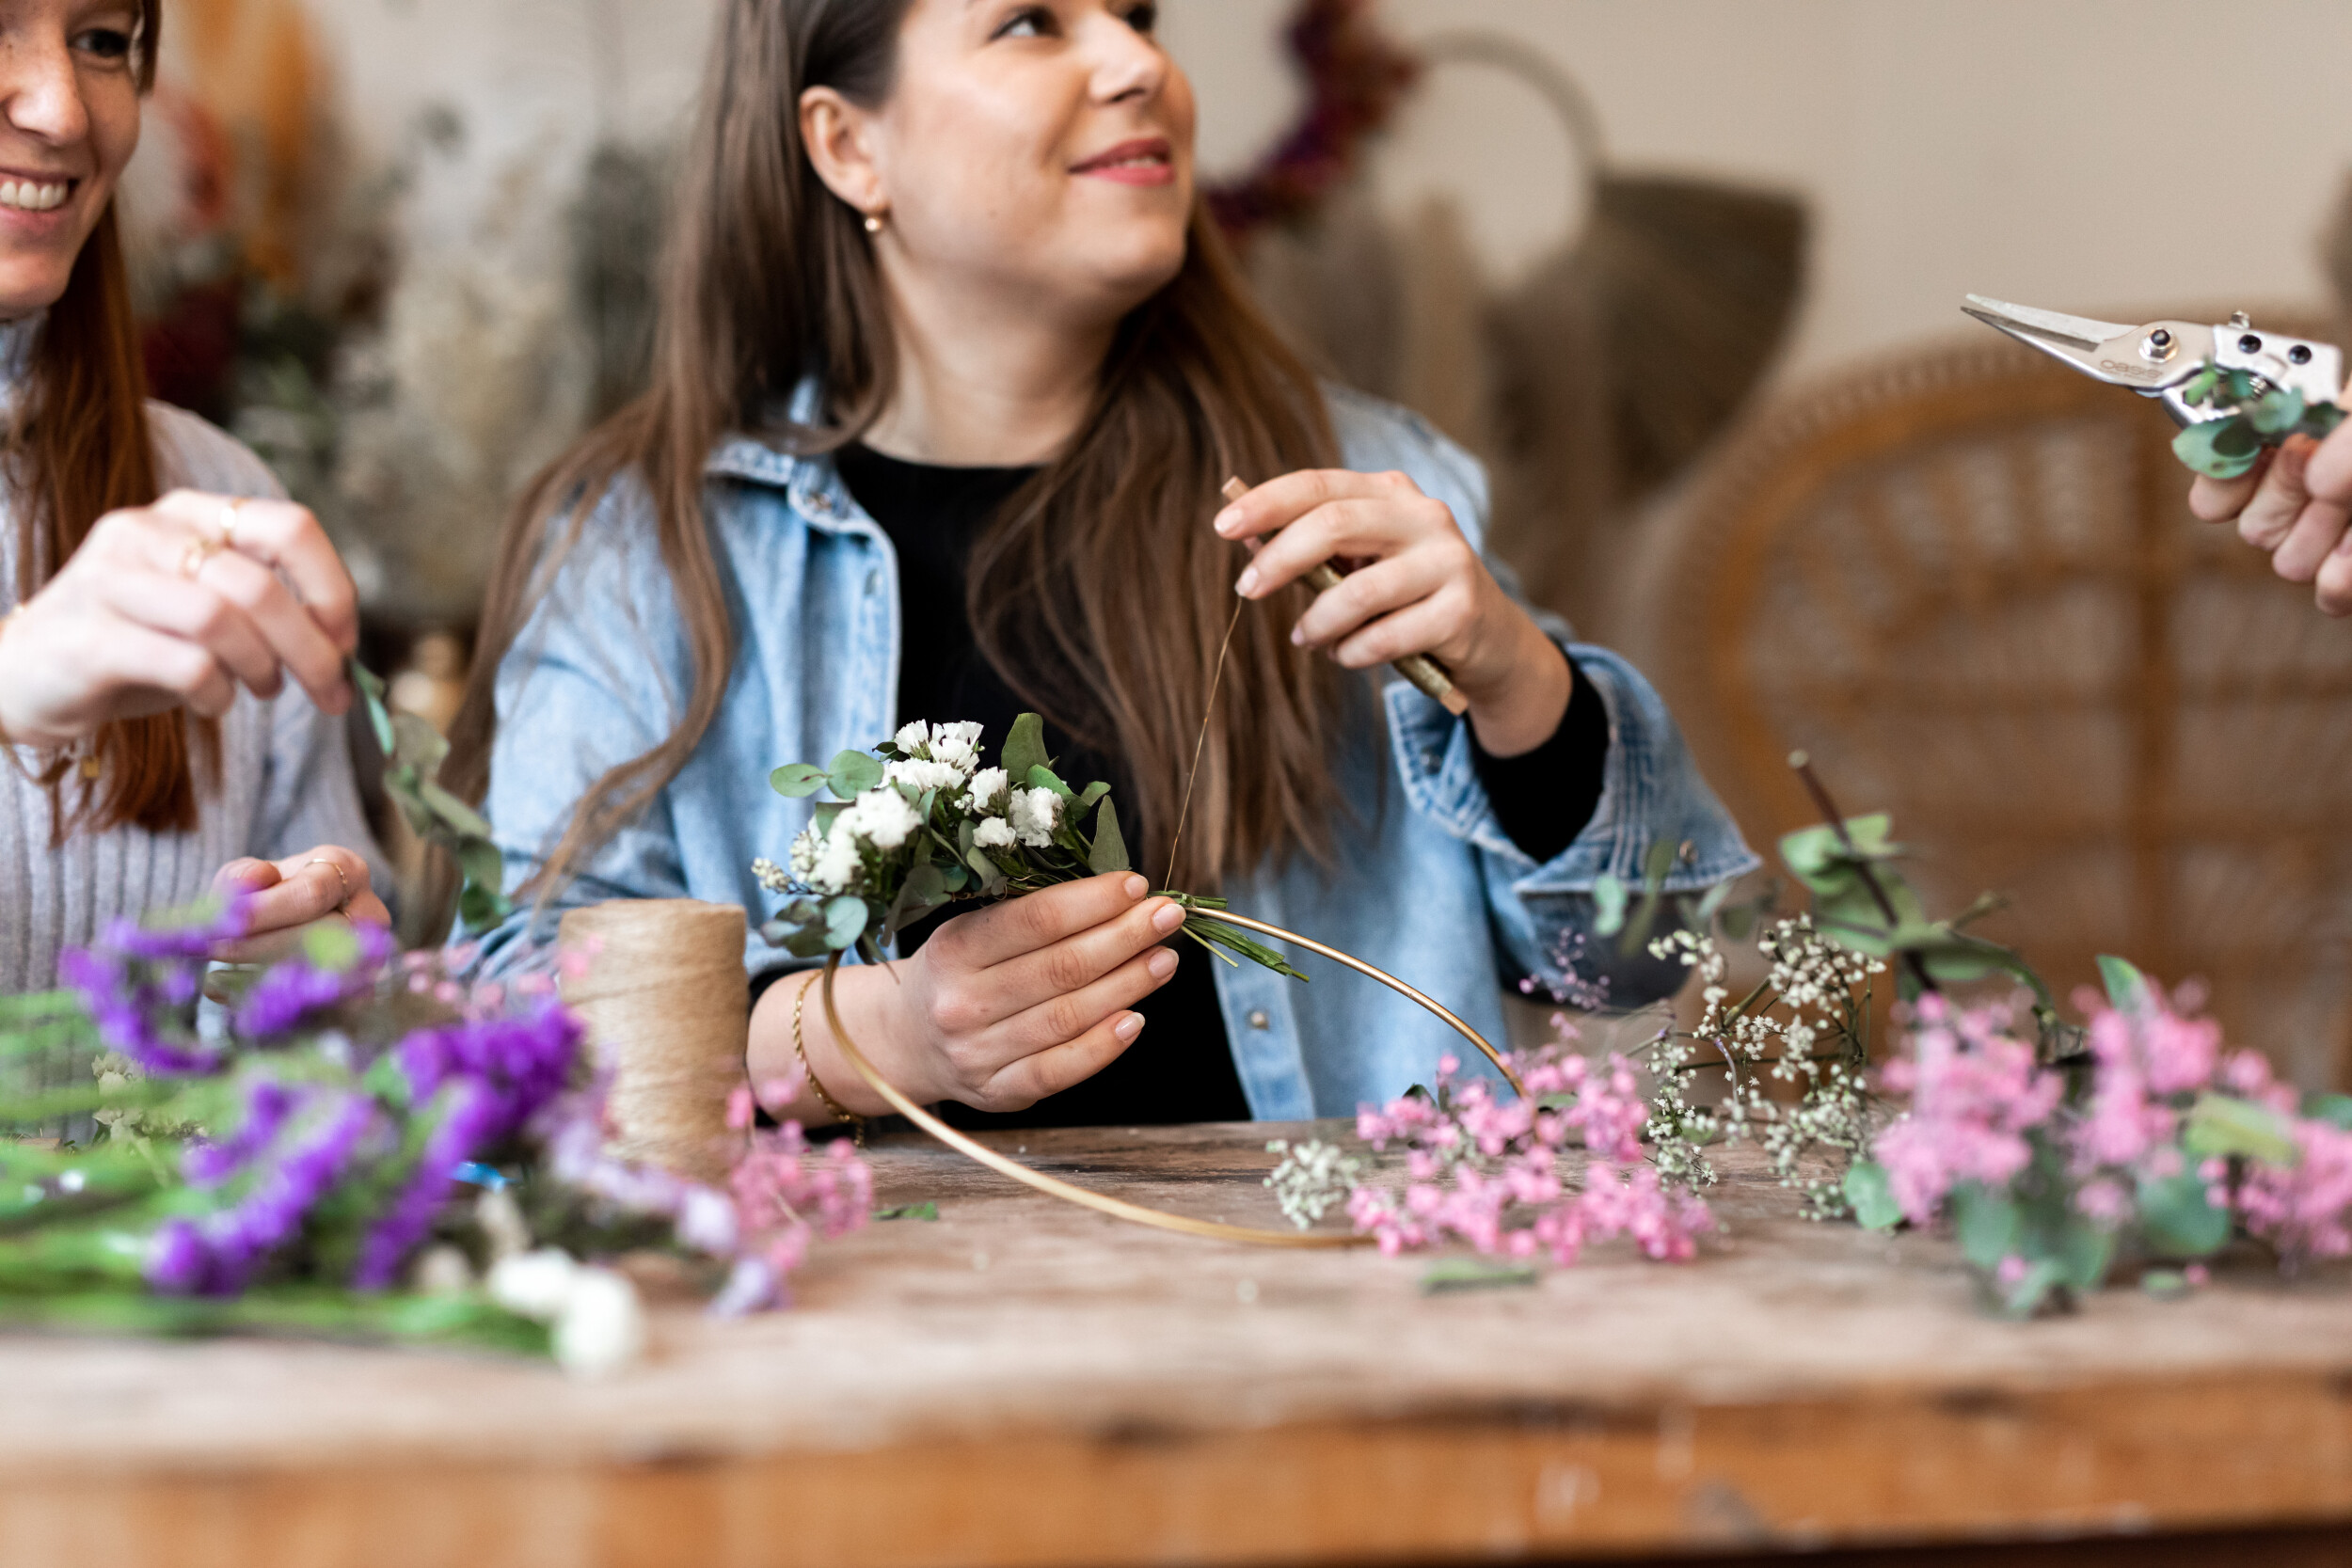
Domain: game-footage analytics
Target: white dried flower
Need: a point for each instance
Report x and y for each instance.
(919, 775)
(774, 877)
(603, 1326)
(993, 833)
(987, 787)
(836, 868)
(882, 817)
(913, 736)
(1312, 1178)
(534, 1284)
(957, 745)
(1034, 814)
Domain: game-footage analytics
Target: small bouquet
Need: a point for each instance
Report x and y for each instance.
(361, 1146)
(918, 824)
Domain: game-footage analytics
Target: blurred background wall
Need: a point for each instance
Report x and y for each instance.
(1652, 259)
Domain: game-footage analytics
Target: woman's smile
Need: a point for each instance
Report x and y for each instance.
(1146, 161)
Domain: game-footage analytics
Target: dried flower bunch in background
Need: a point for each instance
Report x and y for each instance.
(359, 1145)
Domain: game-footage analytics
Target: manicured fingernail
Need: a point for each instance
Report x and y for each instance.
(1162, 963)
(1246, 583)
(1299, 637)
(1128, 1028)
(1137, 887)
(1165, 920)
(1227, 521)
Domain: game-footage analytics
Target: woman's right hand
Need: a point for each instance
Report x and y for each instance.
(1000, 1008)
(2295, 507)
(180, 602)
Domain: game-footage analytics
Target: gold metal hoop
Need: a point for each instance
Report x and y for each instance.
(1135, 1214)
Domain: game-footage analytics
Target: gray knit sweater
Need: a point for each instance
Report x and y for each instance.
(286, 779)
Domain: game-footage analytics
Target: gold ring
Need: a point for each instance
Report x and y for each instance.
(229, 522)
(344, 882)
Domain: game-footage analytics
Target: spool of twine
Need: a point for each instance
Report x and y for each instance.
(666, 998)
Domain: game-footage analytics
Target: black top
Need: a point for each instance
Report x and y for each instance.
(1181, 1068)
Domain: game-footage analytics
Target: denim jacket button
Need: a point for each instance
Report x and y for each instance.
(1258, 1019)
(873, 583)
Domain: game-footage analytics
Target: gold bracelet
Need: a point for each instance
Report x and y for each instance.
(840, 1113)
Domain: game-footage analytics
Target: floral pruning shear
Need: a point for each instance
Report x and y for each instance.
(2234, 390)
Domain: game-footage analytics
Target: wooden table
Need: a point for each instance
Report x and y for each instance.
(1026, 1383)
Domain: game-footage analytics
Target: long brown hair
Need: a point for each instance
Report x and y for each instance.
(82, 449)
(1100, 591)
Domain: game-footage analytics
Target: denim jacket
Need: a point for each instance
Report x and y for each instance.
(1426, 884)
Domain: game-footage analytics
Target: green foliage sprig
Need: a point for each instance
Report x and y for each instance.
(2259, 417)
(413, 752)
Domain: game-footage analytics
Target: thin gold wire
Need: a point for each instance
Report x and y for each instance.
(1137, 1213)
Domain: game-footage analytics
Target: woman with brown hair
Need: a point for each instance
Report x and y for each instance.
(949, 371)
(151, 743)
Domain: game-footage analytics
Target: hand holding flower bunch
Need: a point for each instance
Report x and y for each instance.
(1002, 1007)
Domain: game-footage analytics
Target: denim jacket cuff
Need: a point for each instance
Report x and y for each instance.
(1652, 791)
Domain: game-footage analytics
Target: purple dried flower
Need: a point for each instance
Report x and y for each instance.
(525, 1062)
(286, 997)
(268, 1107)
(219, 1255)
(137, 979)
(473, 1112)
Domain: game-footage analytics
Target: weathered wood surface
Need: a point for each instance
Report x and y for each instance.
(1026, 1383)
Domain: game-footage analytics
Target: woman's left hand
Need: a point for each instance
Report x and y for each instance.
(283, 896)
(1418, 587)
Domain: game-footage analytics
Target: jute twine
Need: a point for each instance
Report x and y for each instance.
(667, 998)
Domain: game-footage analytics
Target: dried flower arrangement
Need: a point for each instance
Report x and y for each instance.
(2056, 1154)
(362, 1145)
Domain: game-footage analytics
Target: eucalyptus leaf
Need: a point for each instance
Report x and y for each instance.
(852, 774)
(2084, 1253)
(1987, 1225)
(331, 946)
(1109, 852)
(2224, 1125)
(372, 689)
(1871, 1196)
(1087, 796)
(2126, 987)
(1608, 901)
(2277, 413)
(1024, 747)
(418, 744)
(449, 809)
(2026, 1298)
(2333, 1109)
(844, 921)
(2226, 448)
(926, 1210)
(2177, 1219)
(797, 779)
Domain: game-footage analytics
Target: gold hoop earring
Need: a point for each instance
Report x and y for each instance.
(873, 223)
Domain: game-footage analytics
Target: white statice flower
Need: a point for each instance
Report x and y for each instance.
(774, 877)
(836, 866)
(599, 1322)
(603, 1326)
(919, 775)
(957, 745)
(534, 1284)
(987, 787)
(913, 737)
(883, 817)
(1034, 814)
(993, 833)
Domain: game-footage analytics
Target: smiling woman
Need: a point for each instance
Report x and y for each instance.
(951, 368)
(153, 747)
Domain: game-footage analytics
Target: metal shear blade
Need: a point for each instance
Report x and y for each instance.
(2027, 325)
(2149, 359)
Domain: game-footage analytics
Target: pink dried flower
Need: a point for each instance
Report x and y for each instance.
(1975, 1092)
